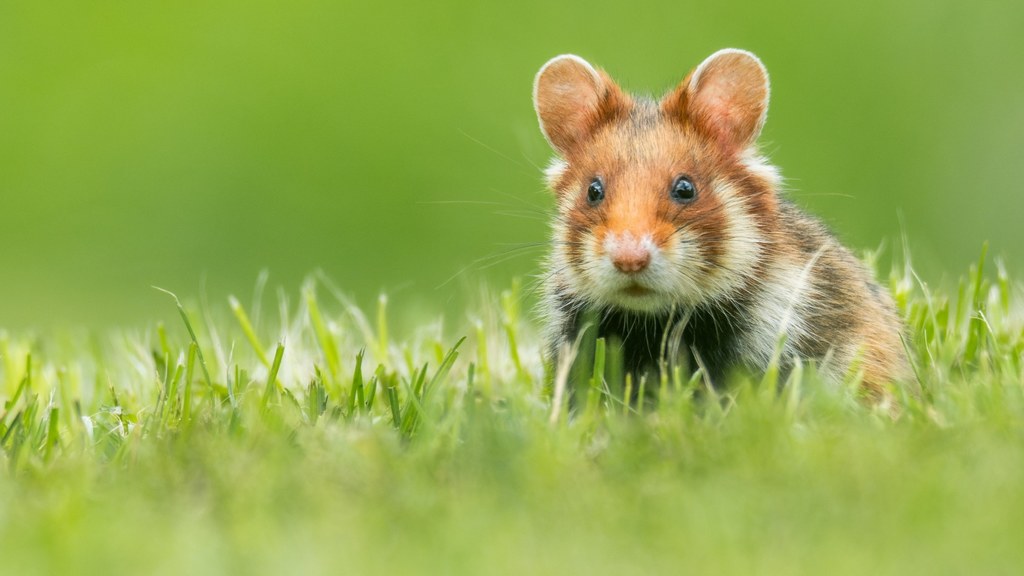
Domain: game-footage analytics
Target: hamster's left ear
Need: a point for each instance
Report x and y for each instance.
(725, 98)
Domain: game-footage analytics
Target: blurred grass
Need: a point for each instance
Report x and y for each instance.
(364, 449)
(193, 144)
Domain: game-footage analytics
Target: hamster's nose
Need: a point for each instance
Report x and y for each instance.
(630, 256)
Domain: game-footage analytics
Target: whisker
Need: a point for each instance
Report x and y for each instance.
(499, 153)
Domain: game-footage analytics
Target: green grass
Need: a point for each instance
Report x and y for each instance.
(323, 442)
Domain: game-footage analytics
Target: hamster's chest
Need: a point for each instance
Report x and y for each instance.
(712, 338)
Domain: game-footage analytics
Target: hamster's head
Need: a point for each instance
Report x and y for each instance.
(659, 202)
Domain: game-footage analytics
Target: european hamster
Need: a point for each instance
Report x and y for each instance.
(670, 222)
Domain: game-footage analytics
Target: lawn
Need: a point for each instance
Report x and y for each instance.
(304, 435)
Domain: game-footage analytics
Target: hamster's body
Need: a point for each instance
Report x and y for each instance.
(668, 218)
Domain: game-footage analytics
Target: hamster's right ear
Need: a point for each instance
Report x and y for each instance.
(572, 98)
(726, 98)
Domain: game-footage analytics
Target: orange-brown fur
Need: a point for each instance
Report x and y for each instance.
(740, 263)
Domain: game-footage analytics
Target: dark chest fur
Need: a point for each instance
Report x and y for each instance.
(706, 336)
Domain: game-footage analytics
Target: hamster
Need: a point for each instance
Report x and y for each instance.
(671, 225)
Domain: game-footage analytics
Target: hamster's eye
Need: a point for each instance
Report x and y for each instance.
(595, 192)
(683, 191)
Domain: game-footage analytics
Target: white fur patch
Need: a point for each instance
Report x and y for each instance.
(760, 167)
(742, 242)
(554, 171)
(782, 306)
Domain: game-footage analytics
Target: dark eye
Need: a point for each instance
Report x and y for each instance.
(595, 192)
(683, 190)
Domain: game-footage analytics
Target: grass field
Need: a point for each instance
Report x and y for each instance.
(302, 436)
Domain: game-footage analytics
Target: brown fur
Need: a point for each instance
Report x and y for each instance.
(742, 263)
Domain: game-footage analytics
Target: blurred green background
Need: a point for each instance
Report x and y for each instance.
(192, 144)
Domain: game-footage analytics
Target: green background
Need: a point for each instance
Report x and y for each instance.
(192, 144)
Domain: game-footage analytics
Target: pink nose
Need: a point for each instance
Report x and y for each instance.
(631, 257)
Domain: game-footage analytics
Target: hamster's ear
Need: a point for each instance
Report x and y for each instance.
(725, 98)
(572, 98)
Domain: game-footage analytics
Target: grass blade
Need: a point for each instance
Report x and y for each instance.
(271, 389)
(192, 335)
(247, 329)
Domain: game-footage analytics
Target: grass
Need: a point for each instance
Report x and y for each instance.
(322, 443)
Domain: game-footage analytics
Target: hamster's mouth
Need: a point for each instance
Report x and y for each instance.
(637, 290)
